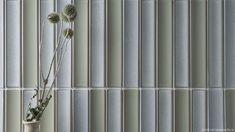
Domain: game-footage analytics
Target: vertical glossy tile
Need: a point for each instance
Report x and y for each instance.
(182, 111)
(215, 108)
(131, 111)
(165, 44)
(215, 43)
(229, 107)
(114, 110)
(97, 111)
(81, 44)
(148, 43)
(131, 42)
(229, 39)
(114, 43)
(30, 43)
(156, 110)
(215, 64)
(165, 111)
(13, 111)
(148, 111)
(97, 43)
(64, 83)
(156, 67)
(2, 110)
(156, 42)
(229, 8)
(63, 111)
(13, 45)
(2, 27)
(198, 43)
(46, 7)
(199, 111)
(181, 19)
(81, 110)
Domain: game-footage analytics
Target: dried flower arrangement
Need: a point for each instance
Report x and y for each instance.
(67, 15)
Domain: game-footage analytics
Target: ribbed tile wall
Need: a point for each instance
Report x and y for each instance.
(132, 65)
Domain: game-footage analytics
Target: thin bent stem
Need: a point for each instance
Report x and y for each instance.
(40, 54)
(42, 35)
(56, 50)
(41, 40)
(60, 34)
(62, 54)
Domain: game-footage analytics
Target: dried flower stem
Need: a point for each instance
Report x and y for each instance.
(56, 50)
(62, 54)
(53, 59)
(40, 54)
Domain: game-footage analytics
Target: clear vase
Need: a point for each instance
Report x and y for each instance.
(32, 126)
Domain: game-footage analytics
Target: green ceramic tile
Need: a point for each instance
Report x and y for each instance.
(198, 44)
(182, 111)
(131, 110)
(13, 111)
(114, 43)
(30, 42)
(230, 107)
(97, 111)
(81, 44)
(165, 43)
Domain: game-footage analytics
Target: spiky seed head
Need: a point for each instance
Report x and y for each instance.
(53, 17)
(73, 18)
(68, 33)
(69, 11)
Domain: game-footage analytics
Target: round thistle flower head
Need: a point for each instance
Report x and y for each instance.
(53, 17)
(73, 18)
(69, 11)
(68, 33)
